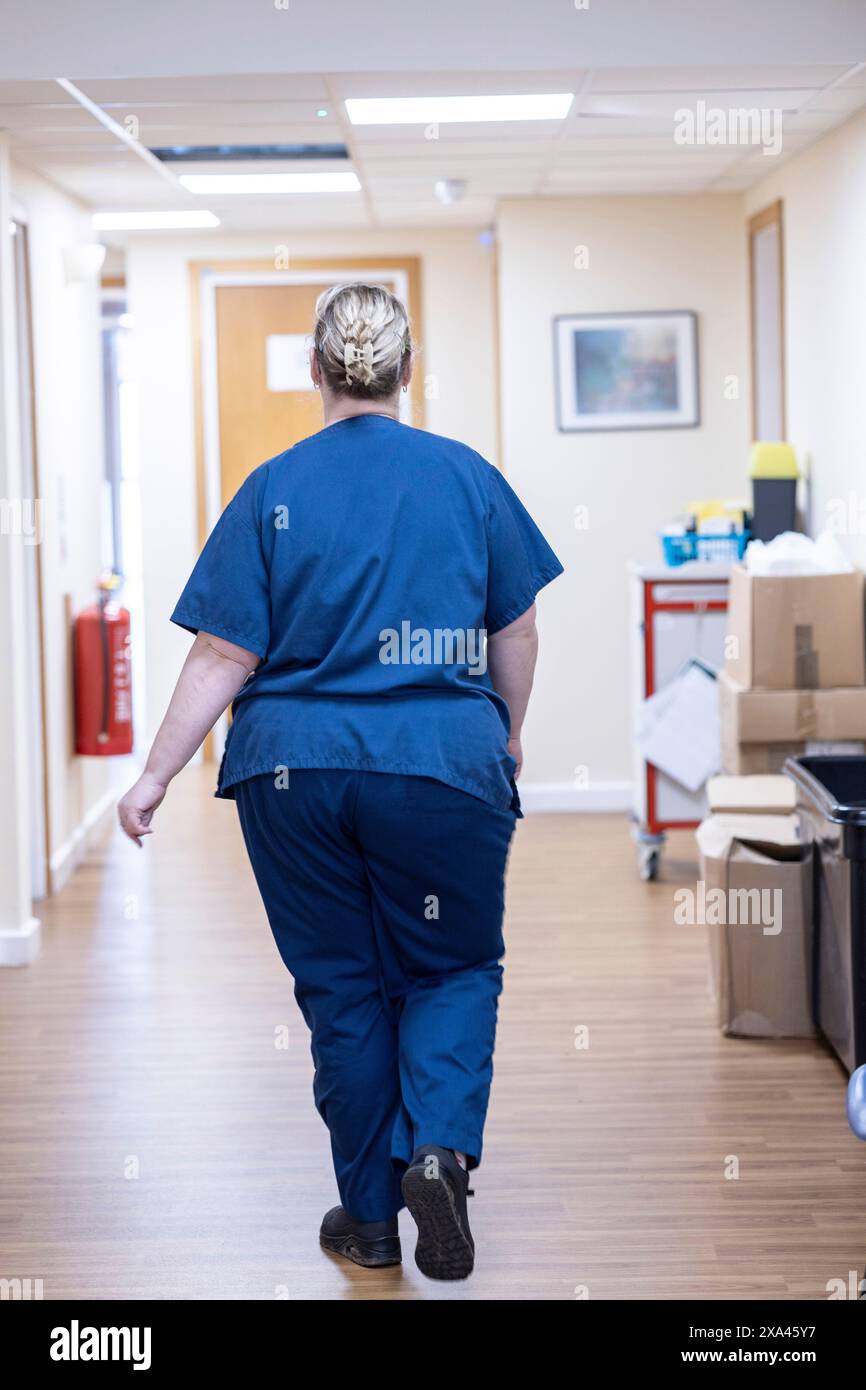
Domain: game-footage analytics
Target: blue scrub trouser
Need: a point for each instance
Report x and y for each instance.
(385, 895)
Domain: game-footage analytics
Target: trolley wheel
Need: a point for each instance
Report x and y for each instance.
(648, 860)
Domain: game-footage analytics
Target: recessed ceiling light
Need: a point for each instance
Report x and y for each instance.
(433, 110)
(152, 221)
(322, 111)
(271, 183)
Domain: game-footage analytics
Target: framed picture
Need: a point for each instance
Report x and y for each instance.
(627, 371)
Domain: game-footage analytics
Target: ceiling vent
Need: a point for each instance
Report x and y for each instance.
(220, 154)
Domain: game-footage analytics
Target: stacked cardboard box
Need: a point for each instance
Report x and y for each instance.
(795, 673)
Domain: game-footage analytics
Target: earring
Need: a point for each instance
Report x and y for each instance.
(315, 386)
(405, 388)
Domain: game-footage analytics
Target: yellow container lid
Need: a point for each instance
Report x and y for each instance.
(773, 461)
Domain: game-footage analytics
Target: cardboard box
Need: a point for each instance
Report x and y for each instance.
(758, 910)
(754, 796)
(795, 632)
(759, 759)
(761, 728)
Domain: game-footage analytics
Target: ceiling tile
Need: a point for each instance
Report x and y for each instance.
(436, 151)
(240, 114)
(491, 173)
(60, 117)
(811, 120)
(22, 93)
(454, 133)
(583, 127)
(129, 186)
(445, 84)
(515, 184)
(655, 104)
(95, 136)
(278, 87)
(841, 99)
(711, 79)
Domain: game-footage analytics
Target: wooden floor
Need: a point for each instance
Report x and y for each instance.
(143, 1040)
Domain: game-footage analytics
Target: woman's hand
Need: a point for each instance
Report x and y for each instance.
(515, 748)
(136, 809)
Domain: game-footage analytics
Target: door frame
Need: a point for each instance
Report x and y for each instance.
(771, 215)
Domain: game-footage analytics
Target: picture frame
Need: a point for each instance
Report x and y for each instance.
(627, 371)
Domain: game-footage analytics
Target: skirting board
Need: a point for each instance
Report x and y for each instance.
(539, 797)
(21, 947)
(70, 854)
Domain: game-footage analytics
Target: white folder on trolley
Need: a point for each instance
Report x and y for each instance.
(678, 727)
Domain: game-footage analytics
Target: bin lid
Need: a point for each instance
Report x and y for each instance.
(834, 784)
(773, 461)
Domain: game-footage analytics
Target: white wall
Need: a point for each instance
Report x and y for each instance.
(69, 441)
(457, 348)
(644, 253)
(824, 196)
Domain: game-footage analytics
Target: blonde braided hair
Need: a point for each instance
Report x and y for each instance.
(362, 340)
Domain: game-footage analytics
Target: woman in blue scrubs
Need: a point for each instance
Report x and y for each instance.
(366, 601)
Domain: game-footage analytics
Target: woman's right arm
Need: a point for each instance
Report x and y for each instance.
(511, 656)
(213, 673)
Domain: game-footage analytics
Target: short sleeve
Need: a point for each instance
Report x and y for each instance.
(228, 592)
(520, 562)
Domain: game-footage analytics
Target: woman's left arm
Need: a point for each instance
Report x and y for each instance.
(213, 673)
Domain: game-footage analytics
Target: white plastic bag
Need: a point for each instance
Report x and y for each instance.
(793, 553)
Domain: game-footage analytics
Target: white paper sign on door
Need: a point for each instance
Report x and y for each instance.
(288, 362)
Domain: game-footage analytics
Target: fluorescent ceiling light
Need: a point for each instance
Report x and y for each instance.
(152, 221)
(436, 110)
(271, 183)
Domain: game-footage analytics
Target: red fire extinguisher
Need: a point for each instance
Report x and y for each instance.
(103, 676)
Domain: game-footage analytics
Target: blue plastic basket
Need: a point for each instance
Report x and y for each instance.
(694, 546)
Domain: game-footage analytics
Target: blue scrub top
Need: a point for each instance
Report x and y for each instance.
(364, 566)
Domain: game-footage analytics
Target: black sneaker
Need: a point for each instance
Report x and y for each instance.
(368, 1243)
(435, 1188)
